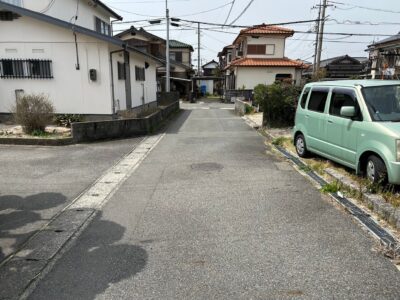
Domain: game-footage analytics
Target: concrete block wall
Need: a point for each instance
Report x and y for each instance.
(112, 129)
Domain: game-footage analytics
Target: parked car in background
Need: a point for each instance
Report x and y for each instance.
(355, 123)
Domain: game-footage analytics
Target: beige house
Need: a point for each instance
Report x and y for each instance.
(385, 58)
(257, 55)
(180, 57)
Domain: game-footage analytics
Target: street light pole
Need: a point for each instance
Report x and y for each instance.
(167, 75)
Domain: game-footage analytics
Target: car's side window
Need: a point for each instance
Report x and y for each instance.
(343, 97)
(318, 99)
(304, 97)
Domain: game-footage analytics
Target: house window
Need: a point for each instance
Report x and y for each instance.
(283, 77)
(102, 27)
(139, 74)
(121, 71)
(14, 2)
(256, 49)
(270, 49)
(176, 56)
(28, 68)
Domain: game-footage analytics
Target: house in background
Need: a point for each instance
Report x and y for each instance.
(210, 81)
(341, 67)
(258, 57)
(67, 56)
(180, 57)
(384, 58)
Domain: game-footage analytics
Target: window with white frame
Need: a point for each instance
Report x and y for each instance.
(270, 49)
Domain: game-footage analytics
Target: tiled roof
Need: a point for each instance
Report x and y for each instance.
(178, 44)
(266, 62)
(265, 29)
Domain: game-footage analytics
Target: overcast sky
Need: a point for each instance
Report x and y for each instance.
(266, 11)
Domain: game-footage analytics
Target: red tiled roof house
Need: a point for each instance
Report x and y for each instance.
(258, 56)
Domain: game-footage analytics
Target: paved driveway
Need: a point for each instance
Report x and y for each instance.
(210, 215)
(37, 182)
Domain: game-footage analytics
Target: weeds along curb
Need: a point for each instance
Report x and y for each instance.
(376, 203)
(363, 217)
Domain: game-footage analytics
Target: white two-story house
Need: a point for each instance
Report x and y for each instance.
(65, 50)
(256, 56)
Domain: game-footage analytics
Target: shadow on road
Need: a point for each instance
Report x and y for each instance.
(95, 263)
(18, 216)
(178, 122)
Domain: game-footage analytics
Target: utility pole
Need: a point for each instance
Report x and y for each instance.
(198, 49)
(167, 68)
(317, 24)
(321, 36)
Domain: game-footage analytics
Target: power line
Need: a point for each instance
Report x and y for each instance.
(206, 11)
(243, 12)
(230, 11)
(363, 7)
(132, 13)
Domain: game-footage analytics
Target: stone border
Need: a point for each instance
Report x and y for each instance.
(374, 202)
(91, 131)
(36, 141)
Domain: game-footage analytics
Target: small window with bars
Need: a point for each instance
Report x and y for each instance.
(140, 74)
(26, 68)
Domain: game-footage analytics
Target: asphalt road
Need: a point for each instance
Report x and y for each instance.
(210, 215)
(37, 182)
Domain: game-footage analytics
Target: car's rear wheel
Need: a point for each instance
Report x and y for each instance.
(301, 147)
(375, 170)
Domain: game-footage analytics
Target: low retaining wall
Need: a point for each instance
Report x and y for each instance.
(166, 98)
(240, 107)
(232, 95)
(112, 129)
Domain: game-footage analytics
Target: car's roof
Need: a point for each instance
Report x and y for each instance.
(353, 83)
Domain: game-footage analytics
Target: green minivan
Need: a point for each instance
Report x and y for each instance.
(353, 122)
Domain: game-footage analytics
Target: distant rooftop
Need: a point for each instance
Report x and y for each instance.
(178, 44)
(393, 38)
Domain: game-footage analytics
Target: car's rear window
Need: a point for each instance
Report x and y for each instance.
(318, 99)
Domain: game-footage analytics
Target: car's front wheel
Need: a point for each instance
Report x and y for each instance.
(301, 147)
(375, 170)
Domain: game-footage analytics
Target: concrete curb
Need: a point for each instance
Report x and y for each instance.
(36, 141)
(383, 209)
(374, 202)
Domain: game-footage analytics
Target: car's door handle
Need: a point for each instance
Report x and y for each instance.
(307, 116)
(329, 121)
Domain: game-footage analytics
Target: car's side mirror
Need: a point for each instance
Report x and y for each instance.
(348, 111)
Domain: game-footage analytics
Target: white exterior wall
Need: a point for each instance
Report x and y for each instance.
(279, 43)
(148, 88)
(250, 77)
(119, 84)
(66, 10)
(71, 90)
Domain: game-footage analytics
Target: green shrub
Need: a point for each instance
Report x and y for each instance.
(66, 120)
(33, 112)
(278, 102)
(249, 109)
